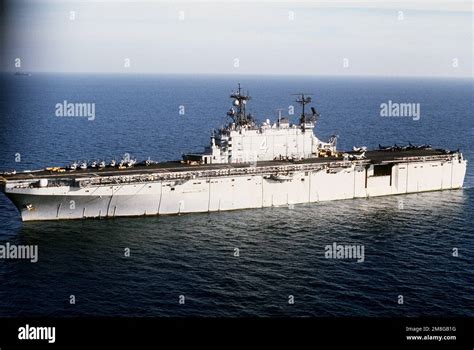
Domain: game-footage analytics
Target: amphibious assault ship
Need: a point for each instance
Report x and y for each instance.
(246, 165)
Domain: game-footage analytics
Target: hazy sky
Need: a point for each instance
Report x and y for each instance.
(428, 38)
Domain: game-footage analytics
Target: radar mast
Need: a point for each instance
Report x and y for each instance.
(240, 117)
(303, 99)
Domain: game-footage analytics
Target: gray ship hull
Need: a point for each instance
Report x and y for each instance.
(193, 190)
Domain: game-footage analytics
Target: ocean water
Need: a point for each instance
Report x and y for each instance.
(408, 240)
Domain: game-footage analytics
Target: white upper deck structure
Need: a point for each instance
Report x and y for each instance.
(245, 141)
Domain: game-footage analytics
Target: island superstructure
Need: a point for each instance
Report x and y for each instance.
(247, 165)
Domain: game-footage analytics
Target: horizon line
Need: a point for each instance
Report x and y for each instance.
(470, 77)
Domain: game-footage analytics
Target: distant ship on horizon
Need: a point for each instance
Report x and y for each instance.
(246, 165)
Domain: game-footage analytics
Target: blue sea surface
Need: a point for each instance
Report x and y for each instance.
(408, 240)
